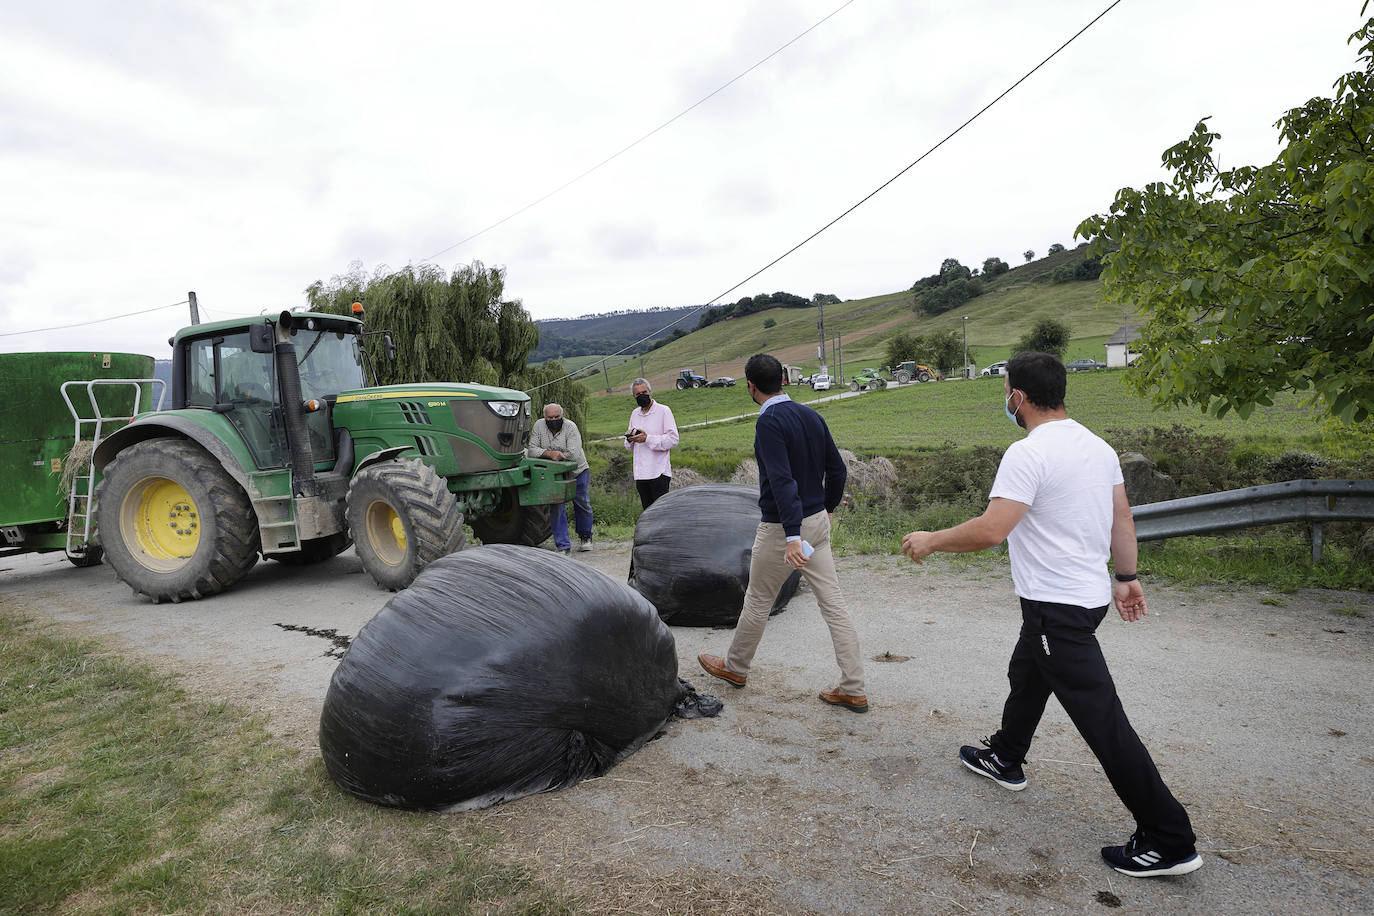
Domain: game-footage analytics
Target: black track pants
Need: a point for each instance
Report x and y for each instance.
(652, 489)
(1058, 654)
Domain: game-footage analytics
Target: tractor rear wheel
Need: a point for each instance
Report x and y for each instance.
(853, 386)
(880, 383)
(173, 523)
(901, 376)
(681, 384)
(402, 518)
(512, 523)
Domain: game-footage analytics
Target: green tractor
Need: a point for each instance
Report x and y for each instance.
(866, 380)
(274, 445)
(906, 371)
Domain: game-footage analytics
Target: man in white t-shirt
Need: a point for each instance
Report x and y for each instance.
(1060, 503)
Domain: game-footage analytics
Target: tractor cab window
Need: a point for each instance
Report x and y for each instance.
(329, 363)
(223, 372)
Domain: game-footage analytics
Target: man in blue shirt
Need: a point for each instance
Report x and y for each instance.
(801, 481)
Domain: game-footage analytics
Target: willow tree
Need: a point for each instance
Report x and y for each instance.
(1256, 279)
(448, 327)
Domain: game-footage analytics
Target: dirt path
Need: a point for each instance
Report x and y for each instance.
(1256, 706)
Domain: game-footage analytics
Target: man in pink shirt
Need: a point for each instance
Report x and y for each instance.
(651, 434)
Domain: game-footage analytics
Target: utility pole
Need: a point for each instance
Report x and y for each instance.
(195, 309)
(605, 376)
(820, 327)
(839, 358)
(965, 321)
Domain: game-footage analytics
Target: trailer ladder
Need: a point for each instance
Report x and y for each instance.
(79, 500)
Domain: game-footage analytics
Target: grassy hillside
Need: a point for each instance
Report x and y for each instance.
(996, 320)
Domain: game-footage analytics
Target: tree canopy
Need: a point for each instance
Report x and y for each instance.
(1256, 279)
(448, 328)
(1047, 335)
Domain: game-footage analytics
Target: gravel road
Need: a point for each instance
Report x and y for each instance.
(1256, 706)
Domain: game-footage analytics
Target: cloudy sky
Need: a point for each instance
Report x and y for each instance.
(246, 149)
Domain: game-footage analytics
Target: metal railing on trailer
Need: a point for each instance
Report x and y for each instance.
(83, 483)
(1313, 502)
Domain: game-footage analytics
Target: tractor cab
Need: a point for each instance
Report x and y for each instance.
(232, 369)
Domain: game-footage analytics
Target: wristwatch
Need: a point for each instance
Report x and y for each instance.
(1126, 577)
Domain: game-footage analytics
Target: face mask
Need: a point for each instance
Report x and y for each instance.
(643, 400)
(554, 425)
(1007, 407)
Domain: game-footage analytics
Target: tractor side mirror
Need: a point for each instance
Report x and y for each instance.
(390, 347)
(260, 338)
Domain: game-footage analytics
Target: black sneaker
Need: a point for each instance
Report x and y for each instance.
(986, 763)
(1140, 859)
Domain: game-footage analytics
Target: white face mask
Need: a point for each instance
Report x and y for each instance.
(1007, 407)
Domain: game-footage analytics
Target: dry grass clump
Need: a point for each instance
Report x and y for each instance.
(686, 477)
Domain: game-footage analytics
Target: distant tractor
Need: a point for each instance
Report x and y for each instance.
(906, 371)
(274, 444)
(689, 379)
(867, 380)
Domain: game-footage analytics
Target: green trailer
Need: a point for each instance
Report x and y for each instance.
(52, 407)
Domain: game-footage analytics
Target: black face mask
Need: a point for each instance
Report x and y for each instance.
(554, 425)
(643, 400)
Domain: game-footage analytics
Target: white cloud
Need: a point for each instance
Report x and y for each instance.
(245, 150)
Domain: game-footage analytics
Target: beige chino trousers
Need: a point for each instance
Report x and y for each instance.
(768, 571)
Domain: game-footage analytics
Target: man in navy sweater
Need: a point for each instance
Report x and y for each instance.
(801, 481)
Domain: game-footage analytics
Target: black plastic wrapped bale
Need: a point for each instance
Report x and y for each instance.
(502, 671)
(691, 555)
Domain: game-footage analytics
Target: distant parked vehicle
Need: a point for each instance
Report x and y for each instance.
(867, 380)
(995, 369)
(820, 382)
(723, 382)
(909, 370)
(1084, 365)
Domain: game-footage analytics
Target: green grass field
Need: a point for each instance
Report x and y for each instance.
(951, 415)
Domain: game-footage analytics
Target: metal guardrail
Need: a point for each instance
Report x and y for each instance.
(1310, 501)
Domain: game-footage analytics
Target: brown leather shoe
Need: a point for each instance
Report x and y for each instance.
(848, 701)
(714, 665)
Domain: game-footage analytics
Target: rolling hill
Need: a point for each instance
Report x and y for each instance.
(996, 320)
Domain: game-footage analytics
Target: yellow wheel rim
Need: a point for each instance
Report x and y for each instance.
(385, 533)
(161, 523)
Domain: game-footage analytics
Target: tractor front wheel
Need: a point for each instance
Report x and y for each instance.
(925, 376)
(512, 523)
(402, 518)
(173, 523)
(853, 386)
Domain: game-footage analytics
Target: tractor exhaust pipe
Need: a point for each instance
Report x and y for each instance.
(293, 412)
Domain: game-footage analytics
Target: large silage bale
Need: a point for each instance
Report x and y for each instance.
(691, 555)
(501, 672)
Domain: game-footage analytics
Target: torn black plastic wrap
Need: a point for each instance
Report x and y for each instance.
(501, 672)
(691, 555)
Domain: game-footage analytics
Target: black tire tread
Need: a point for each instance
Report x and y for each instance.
(419, 496)
(234, 542)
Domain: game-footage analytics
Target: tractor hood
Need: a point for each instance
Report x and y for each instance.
(461, 428)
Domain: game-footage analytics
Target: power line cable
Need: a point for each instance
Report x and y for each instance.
(616, 155)
(81, 324)
(867, 197)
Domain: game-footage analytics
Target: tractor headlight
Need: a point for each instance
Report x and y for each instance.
(505, 408)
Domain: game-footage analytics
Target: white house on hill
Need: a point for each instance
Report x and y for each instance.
(1119, 349)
